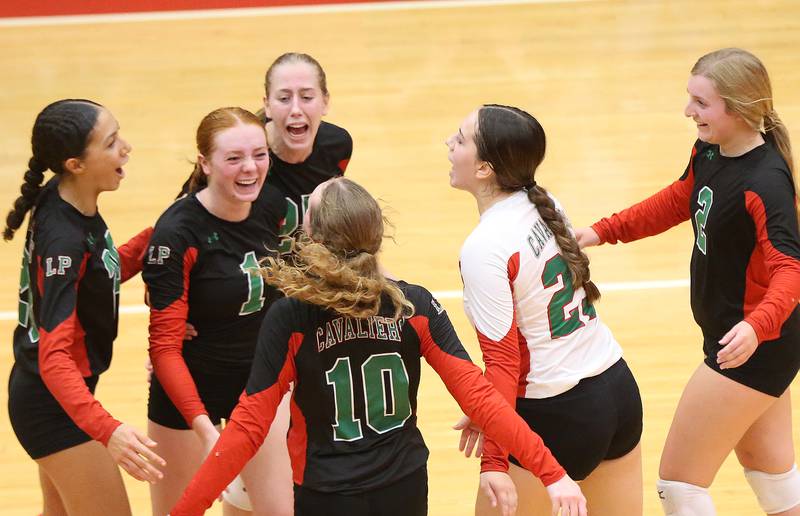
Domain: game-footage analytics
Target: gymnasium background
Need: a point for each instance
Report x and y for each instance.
(607, 79)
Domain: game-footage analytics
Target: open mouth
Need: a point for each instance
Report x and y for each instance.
(297, 130)
(246, 185)
(120, 172)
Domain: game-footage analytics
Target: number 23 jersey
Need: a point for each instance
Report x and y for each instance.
(519, 296)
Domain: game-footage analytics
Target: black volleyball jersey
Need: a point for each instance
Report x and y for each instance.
(204, 270)
(329, 157)
(69, 304)
(746, 254)
(354, 403)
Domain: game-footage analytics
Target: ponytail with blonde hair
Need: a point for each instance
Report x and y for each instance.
(337, 267)
(742, 81)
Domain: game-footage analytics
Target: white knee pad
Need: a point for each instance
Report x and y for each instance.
(682, 499)
(775, 493)
(236, 495)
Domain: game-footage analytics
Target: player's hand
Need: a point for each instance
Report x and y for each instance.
(500, 490)
(148, 368)
(471, 436)
(586, 237)
(190, 333)
(738, 345)
(206, 431)
(567, 498)
(131, 449)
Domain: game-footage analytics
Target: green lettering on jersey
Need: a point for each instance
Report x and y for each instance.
(25, 312)
(386, 382)
(562, 324)
(255, 285)
(705, 198)
(292, 221)
(110, 259)
(346, 427)
(386, 386)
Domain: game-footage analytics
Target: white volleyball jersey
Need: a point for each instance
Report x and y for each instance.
(519, 296)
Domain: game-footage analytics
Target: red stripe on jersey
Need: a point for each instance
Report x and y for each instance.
(63, 363)
(487, 408)
(524, 351)
(39, 276)
(656, 214)
(297, 442)
(343, 164)
(167, 330)
(240, 440)
(131, 254)
(297, 438)
(772, 281)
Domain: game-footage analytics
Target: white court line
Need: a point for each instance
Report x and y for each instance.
(243, 12)
(450, 294)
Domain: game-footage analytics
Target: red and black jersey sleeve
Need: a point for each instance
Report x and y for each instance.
(770, 202)
(131, 254)
(484, 405)
(167, 272)
(273, 371)
(340, 144)
(654, 215)
(63, 360)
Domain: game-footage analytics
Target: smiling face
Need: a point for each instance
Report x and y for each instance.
(105, 154)
(237, 165)
(295, 103)
(463, 155)
(714, 123)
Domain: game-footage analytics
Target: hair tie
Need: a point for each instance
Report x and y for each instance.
(529, 186)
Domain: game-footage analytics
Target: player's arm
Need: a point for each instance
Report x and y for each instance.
(771, 205)
(273, 371)
(63, 361)
(442, 349)
(487, 285)
(166, 273)
(656, 214)
(131, 254)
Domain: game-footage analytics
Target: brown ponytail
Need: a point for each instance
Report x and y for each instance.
(61, 131)
(513, 142)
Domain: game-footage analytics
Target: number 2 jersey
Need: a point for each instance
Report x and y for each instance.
(69, 304)
(746, 256)
(354, 403)
(204, 270)
(538, 333)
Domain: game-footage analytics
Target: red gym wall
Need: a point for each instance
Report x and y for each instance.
(15, 8)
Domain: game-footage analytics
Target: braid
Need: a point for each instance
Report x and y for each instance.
(577, 261)
(61, 131)
(30, 190)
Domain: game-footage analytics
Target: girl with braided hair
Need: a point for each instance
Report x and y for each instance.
(68, 314)
(739, 192)
(351, 340)
(528, 293)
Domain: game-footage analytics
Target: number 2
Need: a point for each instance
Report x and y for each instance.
(562, 325)
(705, 198)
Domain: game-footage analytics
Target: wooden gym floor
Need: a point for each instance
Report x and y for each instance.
(607, 80)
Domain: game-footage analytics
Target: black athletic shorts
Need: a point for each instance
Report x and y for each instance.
(218, 392)
(773, 365)
(598, 419)
(41, 425)
(406, 497)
